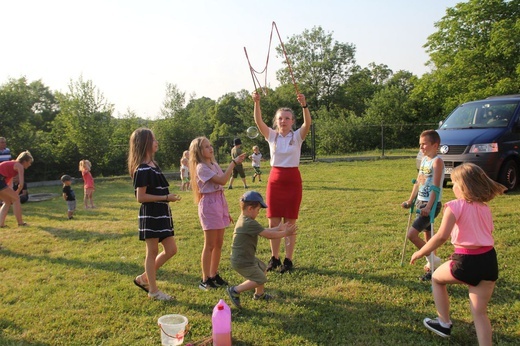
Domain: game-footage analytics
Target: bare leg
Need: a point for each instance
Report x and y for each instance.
(152, 250)
(275, 243)
(290, 242)
(479, 297)
(210, 258)
(249, 285)
(9, 196)
(17, 210)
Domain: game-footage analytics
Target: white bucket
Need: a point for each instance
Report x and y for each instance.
(172, 329)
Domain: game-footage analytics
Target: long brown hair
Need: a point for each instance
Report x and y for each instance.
(140, 146)
(474, 184)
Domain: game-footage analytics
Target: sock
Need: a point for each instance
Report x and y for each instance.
(445, 325)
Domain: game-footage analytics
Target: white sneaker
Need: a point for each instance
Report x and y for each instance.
(437, 261)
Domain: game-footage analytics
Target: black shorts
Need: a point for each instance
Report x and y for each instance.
(239, 170)
(422, 223)
(471, 269)
(3, 184)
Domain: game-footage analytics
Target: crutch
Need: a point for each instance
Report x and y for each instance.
(408, 227)
(437, 191)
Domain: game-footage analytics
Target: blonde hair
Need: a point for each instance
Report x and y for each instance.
(256, 147)
(196, 158)
(140, 146)
(474, 184)
(25, 156)
(84, 164)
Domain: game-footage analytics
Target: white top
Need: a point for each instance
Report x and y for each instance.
(288, 148)
(185, 171)
(255, 159)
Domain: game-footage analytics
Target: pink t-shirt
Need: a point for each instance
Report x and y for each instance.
(7, 170)
(473, 225)
(204, 174)
(88, 181)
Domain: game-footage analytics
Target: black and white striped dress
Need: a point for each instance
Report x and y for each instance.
(155, 218)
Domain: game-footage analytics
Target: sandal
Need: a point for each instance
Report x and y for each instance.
(138, 281)
(159, 295)
(23, 224)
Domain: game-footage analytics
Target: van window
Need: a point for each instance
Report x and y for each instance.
(489, 113)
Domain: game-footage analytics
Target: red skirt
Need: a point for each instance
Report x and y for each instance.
(284, 192)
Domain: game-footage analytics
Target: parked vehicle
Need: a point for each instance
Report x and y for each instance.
(486, 133)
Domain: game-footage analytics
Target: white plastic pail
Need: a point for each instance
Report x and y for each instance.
(172, 329)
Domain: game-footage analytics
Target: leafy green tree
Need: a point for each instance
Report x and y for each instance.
(26, 110)
(361, 87)
(475, 51)
(181, 124)
(117, 154)
(320, 65)
(84, 126)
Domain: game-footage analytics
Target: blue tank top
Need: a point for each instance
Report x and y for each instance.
(426, 179)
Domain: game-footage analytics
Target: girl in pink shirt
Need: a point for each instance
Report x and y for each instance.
(9, 170)
(88, 183)
(474, 262)
(206, 183)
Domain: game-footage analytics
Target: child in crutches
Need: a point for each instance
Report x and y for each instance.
(431, 175)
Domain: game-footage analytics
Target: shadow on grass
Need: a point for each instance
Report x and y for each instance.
(7, 341)
(120, 267)
(73, 234)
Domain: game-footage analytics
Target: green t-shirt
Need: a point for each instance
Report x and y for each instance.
(245, 240)
(236, 152)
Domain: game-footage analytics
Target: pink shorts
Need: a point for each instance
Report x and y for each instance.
(213, 211)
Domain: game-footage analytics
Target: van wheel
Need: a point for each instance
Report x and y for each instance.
(509, 175)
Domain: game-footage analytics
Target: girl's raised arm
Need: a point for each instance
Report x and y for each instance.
(262, 127)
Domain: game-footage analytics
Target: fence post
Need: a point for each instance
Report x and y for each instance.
(382, 140)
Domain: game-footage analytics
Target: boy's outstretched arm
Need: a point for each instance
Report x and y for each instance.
(281, 231)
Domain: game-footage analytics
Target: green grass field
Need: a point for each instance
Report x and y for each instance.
(70, 282)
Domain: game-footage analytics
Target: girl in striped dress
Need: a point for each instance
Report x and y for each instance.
(155, 219)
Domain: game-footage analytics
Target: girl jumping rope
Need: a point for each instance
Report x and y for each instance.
(474, 262)
(206, 184)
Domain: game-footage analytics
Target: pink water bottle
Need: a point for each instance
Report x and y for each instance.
(221, 323)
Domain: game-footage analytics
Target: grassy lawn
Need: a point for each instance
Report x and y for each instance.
(70, 282)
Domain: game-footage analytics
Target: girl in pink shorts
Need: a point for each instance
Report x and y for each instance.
(207, 184)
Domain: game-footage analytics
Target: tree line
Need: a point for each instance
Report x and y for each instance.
(473, 54)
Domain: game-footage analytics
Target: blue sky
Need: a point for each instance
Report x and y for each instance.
(131, 49)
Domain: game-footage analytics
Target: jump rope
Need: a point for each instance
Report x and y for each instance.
(255, 73)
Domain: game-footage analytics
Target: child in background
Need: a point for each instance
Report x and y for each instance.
(84, 168)
(207, 179)
(155, 216)
(238, 169)
(68, 195)
(185, 174)
(474, 263)
(255, 158)
(243, 250)
(431, 172)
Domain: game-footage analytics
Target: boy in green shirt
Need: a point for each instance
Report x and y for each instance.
(243, 250)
